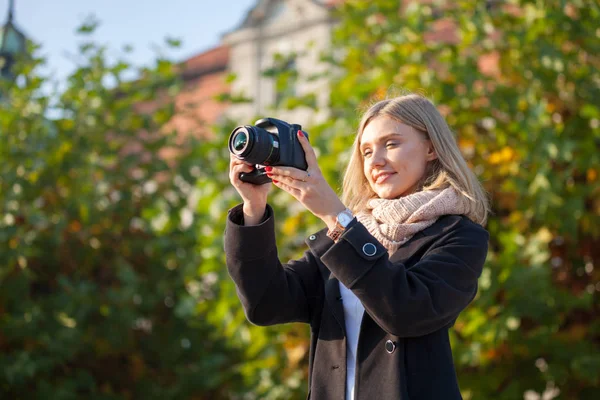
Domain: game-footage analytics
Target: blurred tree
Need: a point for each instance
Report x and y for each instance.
(105, 243)
(103, 290)
(519, 83)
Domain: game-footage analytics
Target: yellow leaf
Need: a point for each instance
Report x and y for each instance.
(545, 235)
(74, 226)
(504, 155)
(66, 320)
(466, 144)
(296, 353)
(522, 105)
(290, 226)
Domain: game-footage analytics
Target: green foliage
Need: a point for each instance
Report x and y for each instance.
(519, 83)
(112, 275)
(105, 290)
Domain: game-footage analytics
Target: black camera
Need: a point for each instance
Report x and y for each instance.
(270, 142)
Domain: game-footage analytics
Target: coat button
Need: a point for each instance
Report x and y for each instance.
(312, 237)
(390, 346)
(369, 249)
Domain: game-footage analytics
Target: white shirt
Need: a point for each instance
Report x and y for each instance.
(353, 313)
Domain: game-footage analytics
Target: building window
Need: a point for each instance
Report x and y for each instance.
(276, 11)
(285, 84)
(285, 76)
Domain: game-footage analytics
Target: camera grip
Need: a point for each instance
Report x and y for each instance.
(256, 177)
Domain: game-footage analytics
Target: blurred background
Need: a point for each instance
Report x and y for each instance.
(114, 120)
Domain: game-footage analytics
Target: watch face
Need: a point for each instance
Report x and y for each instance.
(344, 218)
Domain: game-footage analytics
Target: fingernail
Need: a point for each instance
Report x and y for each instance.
(274, 181)
(300, 134)
(269, 175)
(268, 169)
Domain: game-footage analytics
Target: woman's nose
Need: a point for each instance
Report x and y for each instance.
(377, 159)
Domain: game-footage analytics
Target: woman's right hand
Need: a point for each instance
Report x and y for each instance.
(253, 196)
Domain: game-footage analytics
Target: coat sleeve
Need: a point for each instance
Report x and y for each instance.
(415, 301)
(270, 293)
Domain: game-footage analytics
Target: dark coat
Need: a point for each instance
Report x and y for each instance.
(410, 301)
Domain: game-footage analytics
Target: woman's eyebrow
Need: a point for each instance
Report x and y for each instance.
(382, 138)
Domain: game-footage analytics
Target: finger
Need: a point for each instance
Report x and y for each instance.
(291, 172)
(289, 181)
(237, 161)
(242, 167)
(237, 169)
(293, 191)
(234, 161)
(309, 152)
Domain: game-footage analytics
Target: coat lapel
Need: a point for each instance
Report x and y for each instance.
(416, 246)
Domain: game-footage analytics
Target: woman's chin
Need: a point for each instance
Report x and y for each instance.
(387, 194)
(391, 193)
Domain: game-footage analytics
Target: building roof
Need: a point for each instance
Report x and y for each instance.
(207, 62)
(255, 15)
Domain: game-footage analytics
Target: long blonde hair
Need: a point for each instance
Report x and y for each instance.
(449, 169)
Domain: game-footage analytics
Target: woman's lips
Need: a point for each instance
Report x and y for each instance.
(383, 177)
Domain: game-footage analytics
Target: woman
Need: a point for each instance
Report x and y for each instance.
(397, 263)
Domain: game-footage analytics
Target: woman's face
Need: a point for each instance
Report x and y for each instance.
(395, 157)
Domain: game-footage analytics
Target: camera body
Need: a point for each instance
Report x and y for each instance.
(271, 142)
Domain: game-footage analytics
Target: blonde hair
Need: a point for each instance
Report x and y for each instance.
(449, 169)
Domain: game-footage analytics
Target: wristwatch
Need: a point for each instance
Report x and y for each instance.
(341, 222)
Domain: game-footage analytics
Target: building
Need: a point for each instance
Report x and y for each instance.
(291, 34)
(296, 32)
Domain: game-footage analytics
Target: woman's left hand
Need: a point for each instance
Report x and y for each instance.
(309, 187)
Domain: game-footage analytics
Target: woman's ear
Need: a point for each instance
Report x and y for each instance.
(431, 154)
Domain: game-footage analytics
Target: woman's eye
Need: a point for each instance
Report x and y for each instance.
(391, 144)
(366, 153)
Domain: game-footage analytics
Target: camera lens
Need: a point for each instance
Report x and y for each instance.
(254, 145)
(240, 141)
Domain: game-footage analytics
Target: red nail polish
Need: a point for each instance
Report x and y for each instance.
(274, 181)
(268, 169)
(269, 175)
(300, 134)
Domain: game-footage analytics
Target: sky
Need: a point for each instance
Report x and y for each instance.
(143, 24)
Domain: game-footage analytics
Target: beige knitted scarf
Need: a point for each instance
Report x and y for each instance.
(393, 222)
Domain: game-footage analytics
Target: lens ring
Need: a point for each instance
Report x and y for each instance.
(240, 141)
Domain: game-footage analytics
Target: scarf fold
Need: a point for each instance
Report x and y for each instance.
(393, 222)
